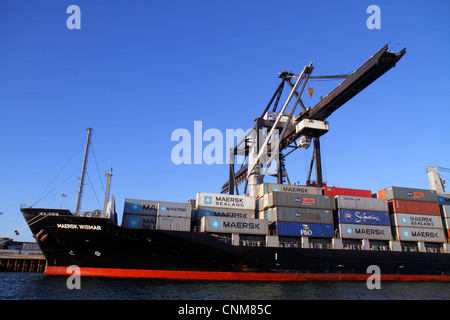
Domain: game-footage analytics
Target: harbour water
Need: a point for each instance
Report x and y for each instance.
(36, 286)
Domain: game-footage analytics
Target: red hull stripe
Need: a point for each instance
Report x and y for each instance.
(249, 276)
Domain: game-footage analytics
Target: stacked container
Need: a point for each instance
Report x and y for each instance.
(163, 215)
(306, 214)
(223, 213)
(362, 218)
(223, 205)
(414, 214)
(265, 188)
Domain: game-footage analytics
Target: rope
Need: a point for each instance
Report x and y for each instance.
(41, 197)
(23, 226)
(51, 191)
(95, 193)
(98, 170)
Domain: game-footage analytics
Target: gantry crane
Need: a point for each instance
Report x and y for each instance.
(275, 131)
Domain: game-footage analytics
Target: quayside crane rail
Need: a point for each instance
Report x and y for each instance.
(275, 131)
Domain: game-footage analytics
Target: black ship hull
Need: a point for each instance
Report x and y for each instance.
(101, 248)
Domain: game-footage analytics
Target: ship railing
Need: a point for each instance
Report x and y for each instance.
(409, 249)
(252, 243)
(379, 248)
(284, 244)
(352, 247)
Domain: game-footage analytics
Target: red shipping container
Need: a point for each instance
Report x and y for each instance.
(333, 191)
(414, 207)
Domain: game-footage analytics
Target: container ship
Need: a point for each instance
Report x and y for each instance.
(273, 231)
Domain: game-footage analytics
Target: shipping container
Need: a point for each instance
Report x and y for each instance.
(153, 207)
(219, 200)
(174, 209)
(138, 221)
(307, 215)
(371, 232)
(416, 220)
(333, 191)
(358, 203)
(446, 223)
(265, 187)
(419, 234)
(294, 229)
(444, 200)
(137, 206)
(445, 211)
(224, 212)
(287, 199)
(173, 223)
(234, 225)
(263, 214)
(414, 207)
(363, 217)
(399, 193)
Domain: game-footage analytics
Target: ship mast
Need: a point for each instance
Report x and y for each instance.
(83, 172)
(108, 187)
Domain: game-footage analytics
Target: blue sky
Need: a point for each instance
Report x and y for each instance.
(138, 70)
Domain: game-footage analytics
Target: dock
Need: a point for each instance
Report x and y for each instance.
(22, 263)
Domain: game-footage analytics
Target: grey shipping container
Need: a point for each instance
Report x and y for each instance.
(153, 207)
(265, 187)
(173, 223)
(174, 209)
(420, 234)
(416, 220)
(361, 203)
(306, 215)
(234, 225)
(138, 221)
(138, 206)
(287, 199)
(371, 232)
(400, 193)
(223, 212)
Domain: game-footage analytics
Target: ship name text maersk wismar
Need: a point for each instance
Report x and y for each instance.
(273, 232)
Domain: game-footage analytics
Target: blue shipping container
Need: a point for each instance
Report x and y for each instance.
(295, 229)
(364, 217)
(444, 200)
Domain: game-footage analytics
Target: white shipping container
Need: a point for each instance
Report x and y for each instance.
(174, 209)
(416, 220)
(219, 200)
(361, 203)
(420, 234)
(234, 225)
(371, 232)
(173, 223)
